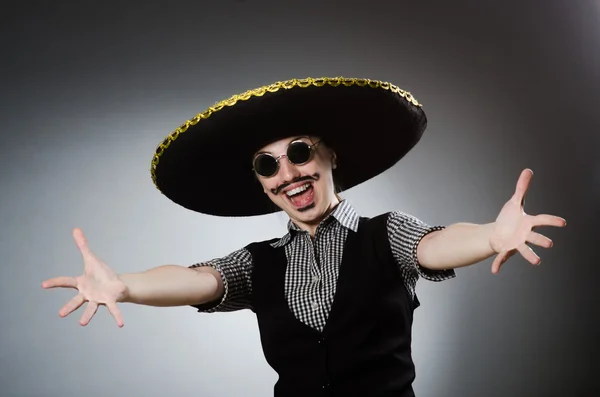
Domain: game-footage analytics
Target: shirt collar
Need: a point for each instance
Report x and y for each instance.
(343, 213)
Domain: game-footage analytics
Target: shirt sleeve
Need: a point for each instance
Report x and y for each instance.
(236, 272)
(405, 232)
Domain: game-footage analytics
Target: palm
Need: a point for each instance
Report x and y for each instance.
(514, 229)
(98, 285)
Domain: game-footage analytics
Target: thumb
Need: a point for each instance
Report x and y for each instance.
(522, 186)
(82, 244)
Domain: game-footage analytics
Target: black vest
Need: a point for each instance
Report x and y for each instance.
(365, 348)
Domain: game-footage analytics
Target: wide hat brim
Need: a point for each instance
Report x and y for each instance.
(205, 165)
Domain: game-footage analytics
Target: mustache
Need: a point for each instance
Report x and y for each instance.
(314, 177)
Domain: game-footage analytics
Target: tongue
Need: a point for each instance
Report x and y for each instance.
(303, 199)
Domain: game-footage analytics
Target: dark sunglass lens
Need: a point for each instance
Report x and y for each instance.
(265, 165)
(298, 152)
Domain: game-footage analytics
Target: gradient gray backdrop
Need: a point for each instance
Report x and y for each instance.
(90, 89)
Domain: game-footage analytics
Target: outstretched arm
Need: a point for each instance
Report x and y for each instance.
(169, 285)
(172, 285)
(464, 244)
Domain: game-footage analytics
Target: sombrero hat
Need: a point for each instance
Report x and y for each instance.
(205, 165)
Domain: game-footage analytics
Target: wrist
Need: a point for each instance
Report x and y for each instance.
(493, 243)
(125, 295)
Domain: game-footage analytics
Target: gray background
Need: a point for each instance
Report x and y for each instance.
(90, 89)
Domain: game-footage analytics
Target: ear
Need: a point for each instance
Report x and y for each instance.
(333, 160)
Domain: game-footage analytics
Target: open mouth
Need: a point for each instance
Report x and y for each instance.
(301, 196)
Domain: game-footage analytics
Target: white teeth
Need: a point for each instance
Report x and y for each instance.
(297, 190)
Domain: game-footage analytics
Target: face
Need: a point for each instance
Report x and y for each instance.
(304, 191)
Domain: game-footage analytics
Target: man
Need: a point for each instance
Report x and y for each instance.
(334, 297)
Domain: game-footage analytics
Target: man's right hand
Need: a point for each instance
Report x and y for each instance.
(98, 285)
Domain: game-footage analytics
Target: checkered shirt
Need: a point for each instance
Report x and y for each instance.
(314, 263)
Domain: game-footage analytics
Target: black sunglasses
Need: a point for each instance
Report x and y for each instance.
(297, 153)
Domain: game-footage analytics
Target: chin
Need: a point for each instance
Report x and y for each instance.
(309, 214)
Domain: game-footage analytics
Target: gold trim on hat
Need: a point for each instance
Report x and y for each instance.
(257, 92)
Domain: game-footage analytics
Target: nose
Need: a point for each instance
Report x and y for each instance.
(287, 171)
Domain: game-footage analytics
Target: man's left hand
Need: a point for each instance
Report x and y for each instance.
(514, 228)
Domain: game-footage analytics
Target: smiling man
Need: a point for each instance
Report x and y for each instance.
(334, 297)
(303, 188)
